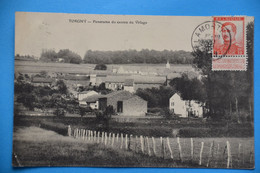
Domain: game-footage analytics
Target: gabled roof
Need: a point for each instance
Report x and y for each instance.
(93, 98)
(86, 92)
(122, 92)
(116, 78)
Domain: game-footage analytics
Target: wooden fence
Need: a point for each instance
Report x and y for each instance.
(187, 150)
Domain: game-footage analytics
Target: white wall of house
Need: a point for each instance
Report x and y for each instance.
(196, 108)
(129, 89)
(178, 106)
(182, 107)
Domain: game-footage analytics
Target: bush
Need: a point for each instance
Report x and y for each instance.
(154, 110)
(100, 67)
(59, 112)
(56, 127)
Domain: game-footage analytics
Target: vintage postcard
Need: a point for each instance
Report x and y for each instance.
(133, 91)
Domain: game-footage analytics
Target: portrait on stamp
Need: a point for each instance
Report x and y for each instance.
(231, 41)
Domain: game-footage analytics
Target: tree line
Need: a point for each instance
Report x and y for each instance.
(118, 57)
(134, 56)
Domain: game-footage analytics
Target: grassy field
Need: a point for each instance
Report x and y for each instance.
(36, 67)
(33, 146)
(146, 126)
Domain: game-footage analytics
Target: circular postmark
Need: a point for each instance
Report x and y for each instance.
(205, 38)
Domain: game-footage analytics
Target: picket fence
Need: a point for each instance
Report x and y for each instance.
(164, 147)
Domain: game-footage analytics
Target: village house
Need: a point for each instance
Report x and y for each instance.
(185, 108)
(92, 101)
(115, 82)
(148, 81)
(129, 85)
(124, 103)
(83, 95)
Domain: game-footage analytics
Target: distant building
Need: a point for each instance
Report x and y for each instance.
(168, 65)
(124, 103)
(115, 82)
(129, 85)
(185, 108)
(178, 106)
(92, 101)
(148, 81)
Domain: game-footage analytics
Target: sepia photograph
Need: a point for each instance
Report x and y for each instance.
(133, 91)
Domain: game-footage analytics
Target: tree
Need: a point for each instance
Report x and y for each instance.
(190, 89)
(48, 56)
(62, 88)
(59, 112)
(27, 100)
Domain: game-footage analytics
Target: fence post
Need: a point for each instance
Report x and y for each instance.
(136, 139)
(117, 136)
(154, 146)
(109, 138)
(148, 146)
(122, 140)
(105, 138)
(229, 154)
(129, 142)
(74, 133)
(81, 133)
(180, 152)
(126, 143)
(201, 151)
(239, 152)
(88, 135)
(69, 130)
(83, 136)
(162, 147)
(142, 144)
(95, 134)
(77, 133)
(191, 149)
(113, 140)
(169, 146)
(210, 153)
(98, 136)
(102, 137)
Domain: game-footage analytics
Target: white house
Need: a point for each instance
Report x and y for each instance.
(85, 94)
(178, 106)
(185, 107)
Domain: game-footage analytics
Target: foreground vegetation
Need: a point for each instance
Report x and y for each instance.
(156, 127)
(34, 146)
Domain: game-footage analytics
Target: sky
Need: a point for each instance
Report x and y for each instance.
(37, 31)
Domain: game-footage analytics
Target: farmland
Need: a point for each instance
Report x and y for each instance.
(36, 67)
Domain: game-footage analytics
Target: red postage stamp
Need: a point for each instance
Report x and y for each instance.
(229, 48)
